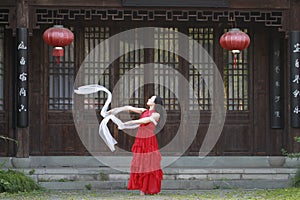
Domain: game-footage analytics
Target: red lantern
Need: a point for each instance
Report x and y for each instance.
(235, 41)
(58, 36)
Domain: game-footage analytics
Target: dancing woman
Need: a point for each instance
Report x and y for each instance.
(145, 171)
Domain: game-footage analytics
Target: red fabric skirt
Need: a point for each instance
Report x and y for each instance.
(146, 173)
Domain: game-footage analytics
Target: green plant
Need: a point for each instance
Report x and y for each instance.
(14, 181)
(31, 172)
(88, 186)
(103, 177)
(296, 179)
(2, 164)
(292, 155)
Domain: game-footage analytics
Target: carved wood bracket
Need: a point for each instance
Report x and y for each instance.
(51, 16)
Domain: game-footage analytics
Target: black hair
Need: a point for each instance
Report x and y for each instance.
(159, 109)
(158, 100)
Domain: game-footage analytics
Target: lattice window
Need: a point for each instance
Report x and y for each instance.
(4, 16)
(61, 79)
(1, 68)
(132, 72)
(95, 63)
(236, 80)
(201, 73)
(167, 81)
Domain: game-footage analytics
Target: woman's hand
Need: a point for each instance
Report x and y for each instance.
(110, 112)
(119, 109)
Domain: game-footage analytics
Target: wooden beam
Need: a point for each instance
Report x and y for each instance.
(175, 3)
(261, 4)
(8, 3)
(264, 4)
(86, 3)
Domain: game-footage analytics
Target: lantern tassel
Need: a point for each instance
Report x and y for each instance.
(58, 52)
(235, 52)
(234, 61)
(58, 60)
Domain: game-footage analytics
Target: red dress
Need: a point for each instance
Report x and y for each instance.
(145, 170)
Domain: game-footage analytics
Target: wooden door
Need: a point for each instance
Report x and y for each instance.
(52, 130)
(7, 121)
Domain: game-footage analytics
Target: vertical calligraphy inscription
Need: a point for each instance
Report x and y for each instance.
(295, 79)
(22, 78)
(276, 85)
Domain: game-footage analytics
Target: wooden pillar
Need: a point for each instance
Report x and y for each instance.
(295, 15)
(22, 137)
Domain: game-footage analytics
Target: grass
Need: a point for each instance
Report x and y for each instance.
(277, 194)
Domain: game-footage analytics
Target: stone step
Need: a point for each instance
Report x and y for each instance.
(85, 185)
(171, 170)
(124, 161)
(187, 173)
(108, 174)
(169, 185)
(105, 178)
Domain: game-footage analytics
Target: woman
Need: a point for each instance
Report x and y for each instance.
(145, 170)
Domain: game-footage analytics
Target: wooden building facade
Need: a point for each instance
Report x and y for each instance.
(249, 87)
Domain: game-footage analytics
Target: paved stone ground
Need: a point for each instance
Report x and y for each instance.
(118, 195)
(131, 195)
(217, 194)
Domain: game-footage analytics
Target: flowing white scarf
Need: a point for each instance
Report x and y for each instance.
(103, 129)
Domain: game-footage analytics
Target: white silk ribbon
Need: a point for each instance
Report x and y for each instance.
(103, 129)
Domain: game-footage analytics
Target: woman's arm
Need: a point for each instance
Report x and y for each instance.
(144, 120)
(127, 108)
(135, 109)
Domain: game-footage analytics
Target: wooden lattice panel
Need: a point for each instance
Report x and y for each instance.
(4, 16)
(49, 16)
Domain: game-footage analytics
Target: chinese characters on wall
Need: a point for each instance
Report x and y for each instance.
(295, 79)
(22, 78)
(276, 85)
